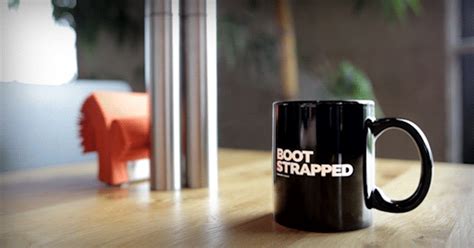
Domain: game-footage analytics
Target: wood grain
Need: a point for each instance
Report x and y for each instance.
(65, 206)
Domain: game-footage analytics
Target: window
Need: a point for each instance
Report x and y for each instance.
(466, 57)
(460, 79)
(34, 48)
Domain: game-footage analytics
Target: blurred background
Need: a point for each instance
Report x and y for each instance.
(415, 58)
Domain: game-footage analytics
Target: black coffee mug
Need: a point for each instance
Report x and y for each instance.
(324, 164)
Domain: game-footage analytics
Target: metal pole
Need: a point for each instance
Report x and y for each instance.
(163, 84)
(200, 82)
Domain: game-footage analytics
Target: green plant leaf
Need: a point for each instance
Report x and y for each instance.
(349, 82)
(13, 4)
(392, 9)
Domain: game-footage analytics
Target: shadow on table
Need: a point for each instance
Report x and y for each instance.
(262, 224)
(31, 192)
(263, 229)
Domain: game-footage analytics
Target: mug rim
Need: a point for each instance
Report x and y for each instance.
(330, 102)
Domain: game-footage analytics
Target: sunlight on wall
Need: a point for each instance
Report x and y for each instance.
(33, 47)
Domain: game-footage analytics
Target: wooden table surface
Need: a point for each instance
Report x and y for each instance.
(65, 206)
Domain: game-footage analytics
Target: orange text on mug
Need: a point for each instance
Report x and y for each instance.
(299, 163)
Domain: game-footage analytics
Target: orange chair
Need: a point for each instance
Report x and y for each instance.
(117, 126)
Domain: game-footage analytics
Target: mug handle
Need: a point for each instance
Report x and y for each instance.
(378, 199)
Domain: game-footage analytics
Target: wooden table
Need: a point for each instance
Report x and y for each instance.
(65, 206)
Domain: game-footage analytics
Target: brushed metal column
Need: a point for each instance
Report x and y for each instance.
(163, 84)
(200, 82)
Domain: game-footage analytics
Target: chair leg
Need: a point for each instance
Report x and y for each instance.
(112, 171)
